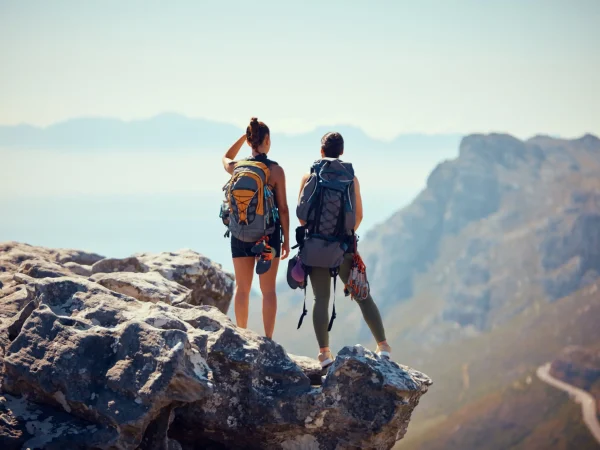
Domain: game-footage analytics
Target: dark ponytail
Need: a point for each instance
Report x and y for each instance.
(256, 133)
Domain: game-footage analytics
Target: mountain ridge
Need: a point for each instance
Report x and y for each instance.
(493, 264)
(176, 131)
(497, 188)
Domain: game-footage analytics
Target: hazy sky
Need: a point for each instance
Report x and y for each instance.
(389, 67)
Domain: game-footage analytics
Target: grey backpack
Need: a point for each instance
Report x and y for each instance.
(327, 206)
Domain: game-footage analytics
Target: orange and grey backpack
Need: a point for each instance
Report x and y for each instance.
(249, 208)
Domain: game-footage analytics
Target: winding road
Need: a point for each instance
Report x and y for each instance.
(588, 403)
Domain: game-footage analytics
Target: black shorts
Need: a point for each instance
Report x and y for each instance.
(241, 249)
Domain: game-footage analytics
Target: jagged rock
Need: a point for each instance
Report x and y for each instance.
(571, 257)
(155, 437)
(12, 254)
(311, 368)
(365, 402)
(147, 287)
(499, 149)
(371, 394)
(13, 303)
(28, 425)
(37, 268)
(110, 265)
(66, 256)
(154, 376)
(210, 285)
(105, 357)
(79, 269)
(16, 324)
(8, 284)
(505, 223)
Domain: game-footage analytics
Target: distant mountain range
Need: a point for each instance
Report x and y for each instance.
(171, 131)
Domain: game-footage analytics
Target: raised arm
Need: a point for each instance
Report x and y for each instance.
(228, 159)
(282, 206)
(359, 204)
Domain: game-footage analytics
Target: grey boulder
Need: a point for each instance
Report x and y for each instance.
(104, 357)
(28, 425)
(147, 287)
(110, 265)
(209, 283)
(263, 400)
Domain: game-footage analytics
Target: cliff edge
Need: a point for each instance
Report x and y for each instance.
(137, 353)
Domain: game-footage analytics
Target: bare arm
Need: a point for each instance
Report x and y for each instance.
(359, 205)
(305, 177)
(228, 159)
(282, 206)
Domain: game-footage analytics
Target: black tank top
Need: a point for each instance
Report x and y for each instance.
(263, 159)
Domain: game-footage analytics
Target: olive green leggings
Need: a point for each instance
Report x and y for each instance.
(320, 279)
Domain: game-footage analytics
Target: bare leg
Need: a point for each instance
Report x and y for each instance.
(244, 271)
(269, 293)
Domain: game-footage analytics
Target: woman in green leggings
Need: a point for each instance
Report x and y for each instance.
(332, 146)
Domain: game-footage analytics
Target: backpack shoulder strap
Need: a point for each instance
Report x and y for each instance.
(263, 159)
(318, 165)
(334, 274)
(256, 164)
(348, 167)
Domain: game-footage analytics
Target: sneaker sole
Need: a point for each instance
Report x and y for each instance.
(387, 355)
(325, 364)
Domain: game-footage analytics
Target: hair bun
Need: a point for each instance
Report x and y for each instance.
(256, 132)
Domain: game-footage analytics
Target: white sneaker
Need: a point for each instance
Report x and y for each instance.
(384, 351)
(326, 359)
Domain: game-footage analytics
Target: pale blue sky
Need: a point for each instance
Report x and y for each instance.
(389, 67)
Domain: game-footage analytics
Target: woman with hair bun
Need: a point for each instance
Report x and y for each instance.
(257, 216)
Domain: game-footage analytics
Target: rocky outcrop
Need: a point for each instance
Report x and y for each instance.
(181, 273)
(365, 402)
(14, 253)
(111, 265)
(28, 425)
(210, 285)
(39, 262)
(86, 365)
(147, 287)
(310, 367)
(105, 357)
(66, 256)
(43, 269)
(79, 269)
(570, 252)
